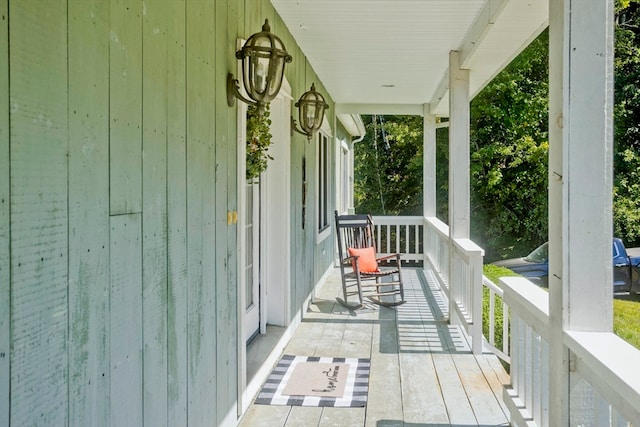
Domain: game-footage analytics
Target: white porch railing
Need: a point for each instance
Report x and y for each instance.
(400, 235)
(605, 370)
(457, 265)
(497, 318)
(437, 249)
(604, 374)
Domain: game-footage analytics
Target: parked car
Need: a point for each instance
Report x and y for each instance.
(535, 266)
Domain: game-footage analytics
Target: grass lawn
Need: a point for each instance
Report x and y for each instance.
(626, 321)
(626, 314)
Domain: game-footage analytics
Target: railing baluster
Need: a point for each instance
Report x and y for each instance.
(492, 316)
(544, 384)
(406, 238)
(505, 328)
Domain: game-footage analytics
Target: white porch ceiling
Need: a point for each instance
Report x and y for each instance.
(392, 55)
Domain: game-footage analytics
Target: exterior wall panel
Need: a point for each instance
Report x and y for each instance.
(39, 216)
(126, 374)
(5, 274)
(88, 212)
(154, 210)
(125, 106)
(176, 216)
(201, 242)
(118, 167)
(225, 174)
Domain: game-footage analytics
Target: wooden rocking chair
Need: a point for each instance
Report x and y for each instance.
(359, 265)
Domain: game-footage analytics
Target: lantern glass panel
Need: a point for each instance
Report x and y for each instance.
(310, 116)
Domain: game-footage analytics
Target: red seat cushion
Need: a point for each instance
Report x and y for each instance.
(366, 259)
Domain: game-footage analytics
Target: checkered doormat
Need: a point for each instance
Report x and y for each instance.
(355, 391)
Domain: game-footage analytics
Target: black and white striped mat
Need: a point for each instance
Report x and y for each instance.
(355, 393)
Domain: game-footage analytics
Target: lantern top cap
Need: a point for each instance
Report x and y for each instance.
(266, 26)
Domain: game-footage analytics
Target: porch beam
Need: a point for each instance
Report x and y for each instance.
(580, 181)
(494, 20)
(389, 109)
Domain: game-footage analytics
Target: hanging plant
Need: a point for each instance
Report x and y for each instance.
(258, 142)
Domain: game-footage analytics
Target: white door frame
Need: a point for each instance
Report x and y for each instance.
(279, 295)
(275, 227)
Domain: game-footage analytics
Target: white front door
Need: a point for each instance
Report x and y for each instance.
(266, 233)
(252, 260)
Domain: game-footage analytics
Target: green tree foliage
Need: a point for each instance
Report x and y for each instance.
(388, 166)
(626, 201)
(509, 145)
(509, 149)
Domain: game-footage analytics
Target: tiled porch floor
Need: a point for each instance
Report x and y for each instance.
(422, 369)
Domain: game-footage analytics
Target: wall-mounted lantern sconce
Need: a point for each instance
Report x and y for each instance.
(263, 58)
(311, 107)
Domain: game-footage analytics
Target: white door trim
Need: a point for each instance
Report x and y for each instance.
(276, 225)
(285, 96)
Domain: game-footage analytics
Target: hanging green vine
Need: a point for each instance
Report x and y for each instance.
(258, 142)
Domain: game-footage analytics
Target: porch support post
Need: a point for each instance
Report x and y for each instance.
(429, 163)
(459, 210)
(580, 181)
(428, 172)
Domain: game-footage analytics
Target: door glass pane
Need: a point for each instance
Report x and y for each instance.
(249, 248)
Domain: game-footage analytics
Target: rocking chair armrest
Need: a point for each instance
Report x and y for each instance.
(351, 260)
(397, 256)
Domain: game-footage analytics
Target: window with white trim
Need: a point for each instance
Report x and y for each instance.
(323, 215)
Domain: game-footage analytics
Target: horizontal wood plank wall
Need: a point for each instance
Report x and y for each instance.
(88, 212)
(154, 211)
(39, 216)
(176, 215)
(5, 274)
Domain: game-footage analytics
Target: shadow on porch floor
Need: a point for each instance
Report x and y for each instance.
(422, 370)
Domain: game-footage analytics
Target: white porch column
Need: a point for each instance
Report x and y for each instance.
(350, 174)
(459, 193)
(429, 163)
(580, 181)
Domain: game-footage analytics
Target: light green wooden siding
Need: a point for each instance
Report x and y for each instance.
(5, 274)
(154, 210)
(125, 338)
(176, 216)
(125, 106)
(201, 212)
(39, 256)
(225, 178)
(118, 268)
(88, 212)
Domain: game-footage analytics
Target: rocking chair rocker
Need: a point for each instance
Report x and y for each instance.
(359, 266)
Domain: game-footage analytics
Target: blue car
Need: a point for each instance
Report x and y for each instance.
(535, 266)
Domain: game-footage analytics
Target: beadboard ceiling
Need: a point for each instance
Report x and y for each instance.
(386, 53)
